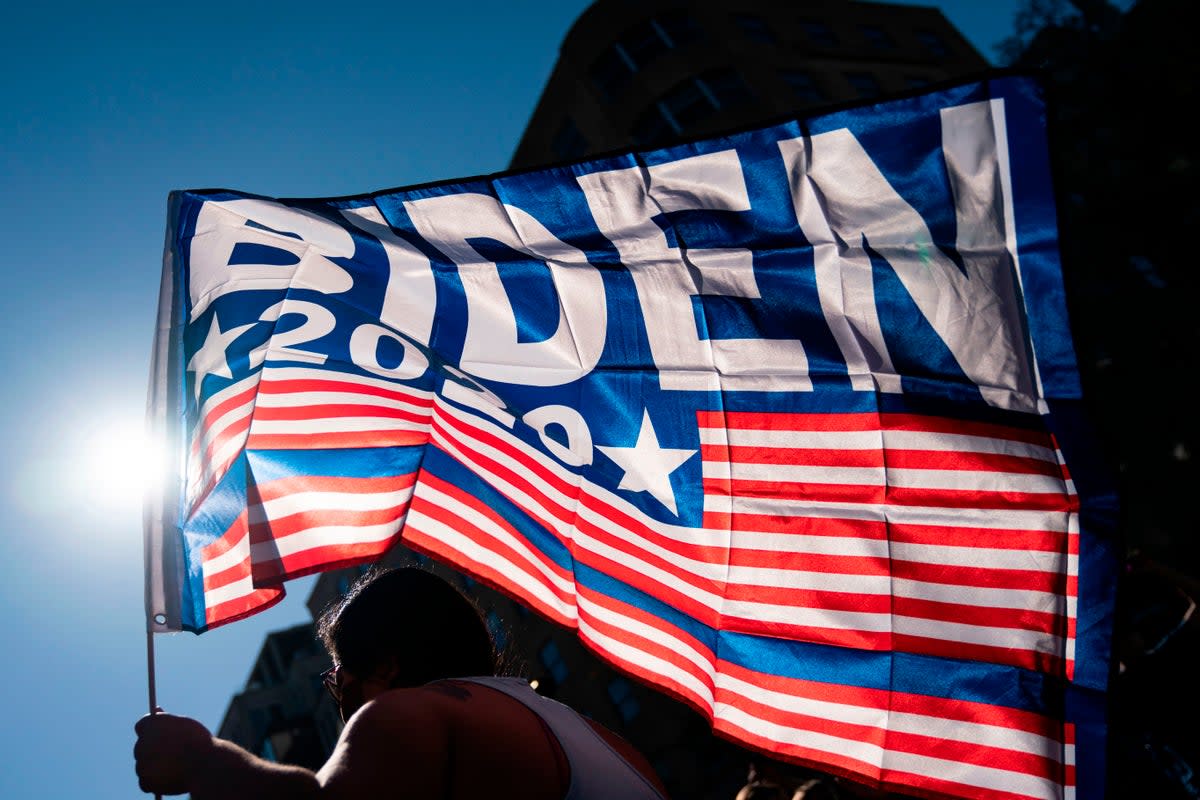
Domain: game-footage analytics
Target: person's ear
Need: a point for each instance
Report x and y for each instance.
(387, 670)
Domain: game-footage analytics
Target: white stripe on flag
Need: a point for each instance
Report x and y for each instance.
(332, 424)
(323, 536)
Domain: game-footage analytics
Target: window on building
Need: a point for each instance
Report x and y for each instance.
(877, 37)
(568, 142)
(934, 44)
(267, 750)
(725, 88)
(755, 28)
(638, 47)
(689, 103)
(620, 691)
(678, 27)
(819, 33)
(610, 73)
(552, 659)
(651, 127)
(643, 43)
(804, 86)
(261, 718)
(864, 83)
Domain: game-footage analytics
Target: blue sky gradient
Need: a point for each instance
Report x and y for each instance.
(107, 109)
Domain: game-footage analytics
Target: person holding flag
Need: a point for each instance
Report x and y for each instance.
(426, 716)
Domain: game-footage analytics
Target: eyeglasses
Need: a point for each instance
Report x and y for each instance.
(332, 678)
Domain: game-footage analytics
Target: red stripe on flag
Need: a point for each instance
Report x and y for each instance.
(509, 554)
(306, 385)
(436, 548)
(653, 621)
(811, 599)
(1042, 541)
(628, 527)
(279, 528)
(800, 561)
(947, 648)
(284, 487)
(792, 456)
(321, 559)
(644, 647)
(979, 713)
(336, 411)
(241, 607)
(984, 577)
(838, 636)
(927, 786)
(970, 461)
(871, 494)
(823, 760)
(1021, 619)
(866, 422)
(797, 525)
(231, 574)
(987, 430)
(218, 411)
(452, 429)
(781, 421)
(335, 440)
(226, 541)
(972, 498)
(234, 429)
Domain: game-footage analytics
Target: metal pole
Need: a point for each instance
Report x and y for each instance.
(153, 692)
(150, 671)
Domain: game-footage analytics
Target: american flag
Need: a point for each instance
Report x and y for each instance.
(783, 423)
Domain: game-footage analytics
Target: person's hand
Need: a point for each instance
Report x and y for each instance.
(170, 751)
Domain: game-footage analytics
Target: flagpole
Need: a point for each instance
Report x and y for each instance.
(152, 689)
(164, 407)
(153, 692)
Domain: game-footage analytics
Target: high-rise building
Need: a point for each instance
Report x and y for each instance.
(284, 714)
(635, 74)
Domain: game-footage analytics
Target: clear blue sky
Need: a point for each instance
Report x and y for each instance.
(106, 108)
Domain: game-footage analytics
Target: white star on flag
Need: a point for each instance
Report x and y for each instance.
(210, 358)
(648, 466)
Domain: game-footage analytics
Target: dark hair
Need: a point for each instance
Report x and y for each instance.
(431, 628)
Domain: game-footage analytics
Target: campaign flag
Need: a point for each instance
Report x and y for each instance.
(784, 422)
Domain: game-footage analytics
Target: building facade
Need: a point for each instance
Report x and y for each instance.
(638, 74)
(284, 713)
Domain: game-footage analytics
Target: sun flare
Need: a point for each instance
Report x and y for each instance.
(120, 463)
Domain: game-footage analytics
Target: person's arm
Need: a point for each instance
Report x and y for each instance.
(397, 744)
(177, 755)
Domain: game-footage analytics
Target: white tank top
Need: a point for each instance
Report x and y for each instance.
(598, 772)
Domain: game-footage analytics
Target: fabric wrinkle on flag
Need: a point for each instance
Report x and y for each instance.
(781, 423)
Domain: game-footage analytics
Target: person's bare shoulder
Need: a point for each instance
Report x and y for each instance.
(399, 739)
(433, 700)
